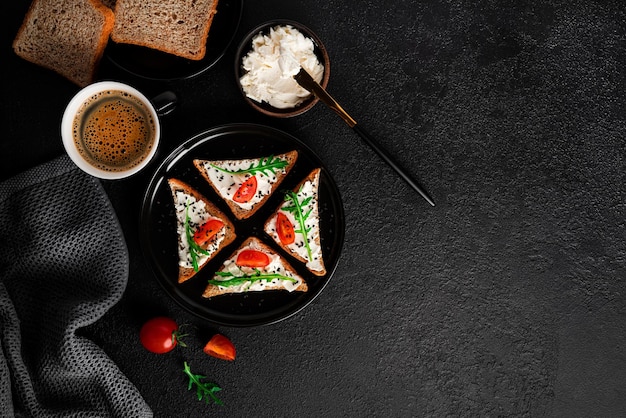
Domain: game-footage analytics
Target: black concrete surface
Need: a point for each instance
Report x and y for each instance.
(506, 299)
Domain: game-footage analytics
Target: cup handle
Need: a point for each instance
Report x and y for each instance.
(164, 103)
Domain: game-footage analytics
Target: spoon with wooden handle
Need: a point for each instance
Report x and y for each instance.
(305, 80)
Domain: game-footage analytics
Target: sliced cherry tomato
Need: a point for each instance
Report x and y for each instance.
(220, 347)
(160, 335)
(284, 229)
(246, 191)
(207, 231)
(252, 258)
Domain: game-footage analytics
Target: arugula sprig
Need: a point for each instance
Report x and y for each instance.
(194, 249)
(297, 208)
(257, 276)
(204, 390)
(269, 164)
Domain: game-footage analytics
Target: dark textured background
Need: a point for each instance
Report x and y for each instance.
(506, 299)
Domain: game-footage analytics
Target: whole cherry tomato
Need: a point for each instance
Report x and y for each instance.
(246, 191)
(252, 258)
(284, 229)
(160, 335)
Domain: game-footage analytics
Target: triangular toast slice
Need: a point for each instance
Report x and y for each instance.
(203, 230)
(246, 184)
(295, 225)
(254, 267)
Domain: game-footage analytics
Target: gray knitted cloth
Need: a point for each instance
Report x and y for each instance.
(63, 264)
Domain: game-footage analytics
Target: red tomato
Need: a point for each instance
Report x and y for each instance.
(220, 347)
(284, 229)
(246, 191)
(252, 258)
(160, 335)
(207, 231)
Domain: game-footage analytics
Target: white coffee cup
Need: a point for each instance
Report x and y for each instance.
(110, 130)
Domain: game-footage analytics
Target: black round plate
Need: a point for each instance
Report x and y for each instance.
(156, 65)
(158, 224)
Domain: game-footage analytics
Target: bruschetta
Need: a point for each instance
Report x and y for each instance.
(202, 229)
(245, 185)
(295, 225)
(254, 267)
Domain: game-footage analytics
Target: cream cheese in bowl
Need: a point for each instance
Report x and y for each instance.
(267, 60)
(272, 62)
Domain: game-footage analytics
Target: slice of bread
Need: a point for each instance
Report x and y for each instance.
(192, 212)
(65, 36)
(301, 210)
(277, 275)
(227, 177)
(178, 27)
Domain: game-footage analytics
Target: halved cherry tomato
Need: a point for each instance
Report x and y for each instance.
(220, 347)
(284, 229)
(246, 191)
(207, 231)
(252, 258)
(160, 335)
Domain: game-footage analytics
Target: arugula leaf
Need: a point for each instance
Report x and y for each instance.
(204, 390)
(194, 249)
(296, 209)
(257, 276)
(269, 164)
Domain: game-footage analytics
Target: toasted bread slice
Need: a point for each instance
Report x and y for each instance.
(301, 223)
(227, 177)
(240, 276)
(193, 211)
(173, 26)
(66, 36)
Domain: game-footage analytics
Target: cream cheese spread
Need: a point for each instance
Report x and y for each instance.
(273, 61)
(311, 225)
(187, 205)
(275, 266)
(227, 184)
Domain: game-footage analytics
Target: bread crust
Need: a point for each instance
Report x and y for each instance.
(156, 25)
(214, 290)
(268, 227)
(239, 212)
(185, 273)
(66, 52)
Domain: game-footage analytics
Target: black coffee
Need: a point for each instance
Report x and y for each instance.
(114, 131)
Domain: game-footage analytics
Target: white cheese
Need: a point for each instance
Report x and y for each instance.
(311, 224)
(198, 216)
(274, 267)
(273, 61)
(227, 184)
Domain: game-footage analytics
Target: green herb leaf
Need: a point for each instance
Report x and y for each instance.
(297, 210)
(204, 390)
(194, 249)
(257, 276)
(177, 336)
(269, 164)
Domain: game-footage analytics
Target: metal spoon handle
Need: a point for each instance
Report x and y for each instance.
(382, 153)
(305, 80)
